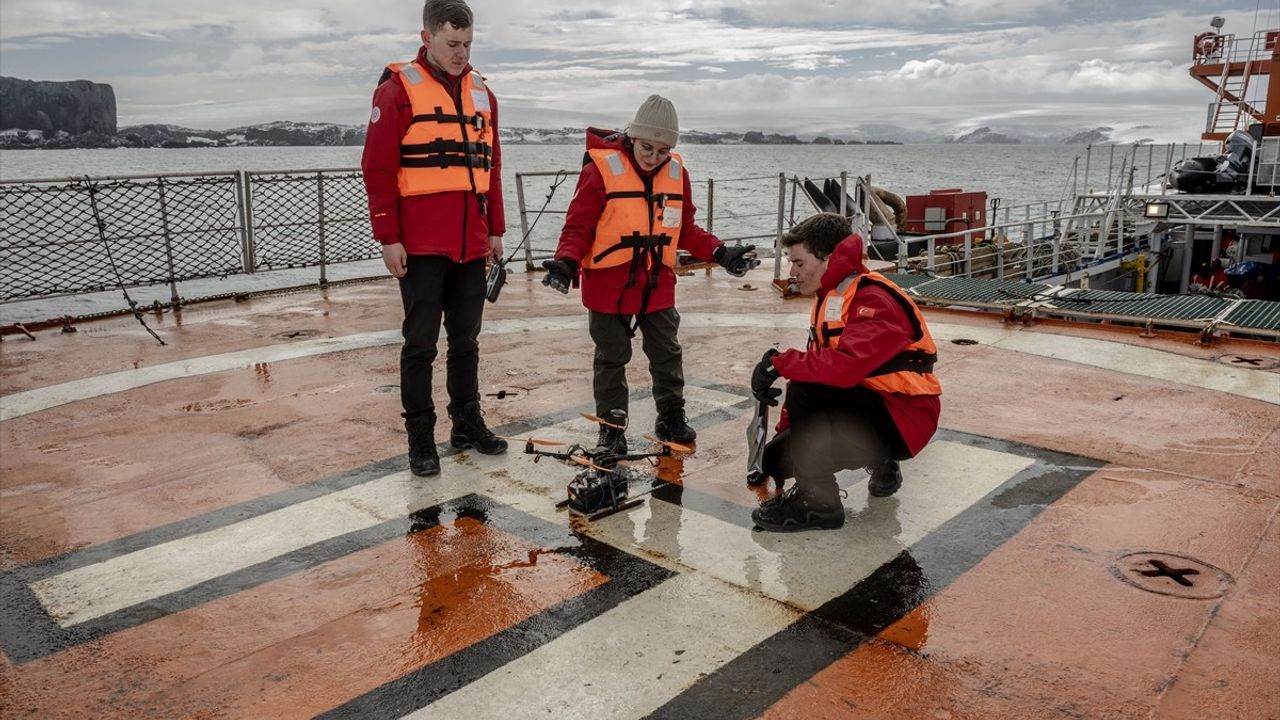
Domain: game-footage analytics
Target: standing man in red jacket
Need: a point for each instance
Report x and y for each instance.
(863, 393)
(632, 210)
(432, 170)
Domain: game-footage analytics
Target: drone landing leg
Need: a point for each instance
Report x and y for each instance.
(625, 505)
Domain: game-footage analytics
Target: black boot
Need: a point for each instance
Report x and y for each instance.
(792, 512)
(424, 461)
(886, 478)
(612, 440)
(469, 431)
(673, 426)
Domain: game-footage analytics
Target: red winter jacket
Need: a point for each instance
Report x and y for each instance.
(867, 342)
(452, 224)
(603, 288)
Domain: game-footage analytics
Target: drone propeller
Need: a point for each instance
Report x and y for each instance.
(588, 463)
(677, 447)
(601, 421)
(534, 441)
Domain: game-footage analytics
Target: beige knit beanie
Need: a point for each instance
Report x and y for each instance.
(656, 120)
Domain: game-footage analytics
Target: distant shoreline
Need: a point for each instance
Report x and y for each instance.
(292, 134)
(288, 134)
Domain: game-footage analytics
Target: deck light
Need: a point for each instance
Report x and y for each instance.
(1157, 209)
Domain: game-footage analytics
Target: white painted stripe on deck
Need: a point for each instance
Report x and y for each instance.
(623, 664)
(808, 569)
(30, 401)
(1123, 358)
(92, 591)
(1104, 354)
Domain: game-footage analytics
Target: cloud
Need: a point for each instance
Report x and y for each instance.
(931, 68)
(1122, 78)
(732, 64)
(901, 12)
(661, 63)
(246, 57)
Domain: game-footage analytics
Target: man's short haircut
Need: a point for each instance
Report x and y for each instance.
(438, 12)
(819, 234)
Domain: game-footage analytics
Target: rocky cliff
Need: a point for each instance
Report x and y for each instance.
(75, 107)
(984, 136)
(1092, 136)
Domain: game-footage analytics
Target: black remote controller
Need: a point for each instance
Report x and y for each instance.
(494, 282)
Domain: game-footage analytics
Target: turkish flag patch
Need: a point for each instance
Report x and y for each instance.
(866, 312)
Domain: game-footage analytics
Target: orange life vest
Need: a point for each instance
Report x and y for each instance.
(445, 150)
(638, 225)
(910, 372)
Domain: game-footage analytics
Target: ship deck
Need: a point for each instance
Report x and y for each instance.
(224, 527)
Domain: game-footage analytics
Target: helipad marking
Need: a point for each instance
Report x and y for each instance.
(1104, 354)
(626, 662)
(726, 631)
(642, 655)
(941, 482)
(1124, 358)
(30, 401)
(93, 591)
(86, 593)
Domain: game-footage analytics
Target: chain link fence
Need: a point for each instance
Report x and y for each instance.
(92, 234)
(308, 218)
(83, 235)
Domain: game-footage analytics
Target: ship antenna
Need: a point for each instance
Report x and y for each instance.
(102, 235)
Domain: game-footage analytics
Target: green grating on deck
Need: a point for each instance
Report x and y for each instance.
(1258, 314)
(1141, 305)
(958, 289)
(1194, 311)
(907, 282)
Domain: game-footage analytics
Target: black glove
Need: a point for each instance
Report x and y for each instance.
(560, 274)
(762, 379)
(737, 259)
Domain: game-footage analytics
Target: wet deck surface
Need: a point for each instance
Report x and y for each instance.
(224, 527)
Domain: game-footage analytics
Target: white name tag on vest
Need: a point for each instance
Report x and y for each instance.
(835, 305)
(670, 217)
(480, 98)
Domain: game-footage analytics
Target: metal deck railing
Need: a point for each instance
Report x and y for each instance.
(165, 229)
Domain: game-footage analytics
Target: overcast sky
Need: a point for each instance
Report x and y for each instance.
(797, 66)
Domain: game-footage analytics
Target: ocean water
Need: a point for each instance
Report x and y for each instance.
(1016, 174)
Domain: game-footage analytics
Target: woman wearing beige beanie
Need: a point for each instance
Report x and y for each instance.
(632, 210)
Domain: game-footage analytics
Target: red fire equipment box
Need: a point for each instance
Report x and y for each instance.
(947, 211)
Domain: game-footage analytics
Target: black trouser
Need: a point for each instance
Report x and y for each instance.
(436, 287)
(613, 352)
(831, 429)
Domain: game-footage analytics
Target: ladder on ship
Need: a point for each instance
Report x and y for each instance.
(1230, 106)
(1222, 64)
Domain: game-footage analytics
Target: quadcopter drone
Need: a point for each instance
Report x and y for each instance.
(605, 485)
